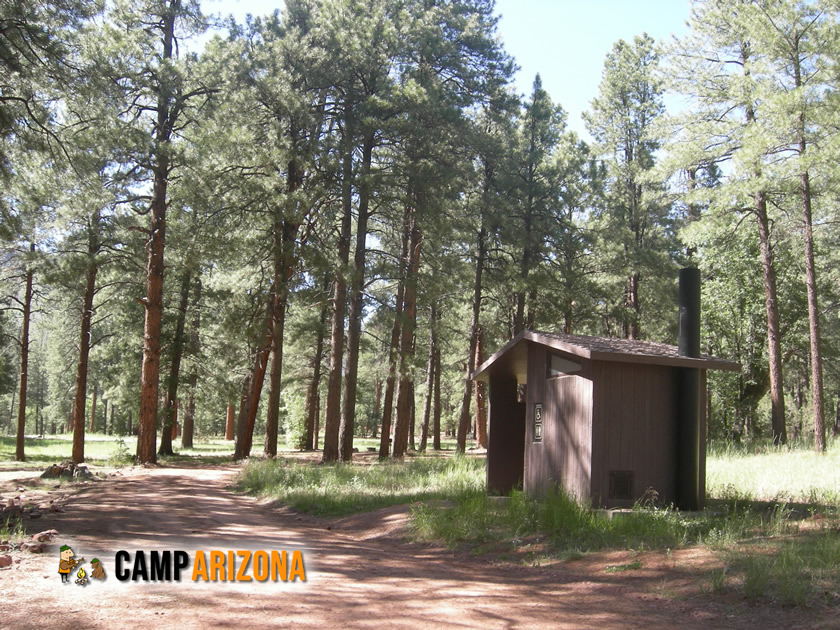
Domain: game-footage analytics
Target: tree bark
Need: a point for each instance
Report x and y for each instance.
(480, 398)
(633, 304)
(285, 233)
(20, 455)
(436, 403)
(413, 422)
(774, 335)
(837, 416)
(80, 398)
(390, 381)
(357, 284)
(284, 244)
(813, 317)
(377, 409)
(229, 422)
(252, 388)
(810, 278)
(430, 380)
(169, 409)
(332, 420)
(313, 397)
(92, 426)
(192, 378)
(12, 410)
(464, 418)
(150, 375)
(405, 394)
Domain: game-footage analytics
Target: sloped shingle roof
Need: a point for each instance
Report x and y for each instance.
(608, 349)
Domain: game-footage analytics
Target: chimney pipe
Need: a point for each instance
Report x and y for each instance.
(691, 456)
(689, 341)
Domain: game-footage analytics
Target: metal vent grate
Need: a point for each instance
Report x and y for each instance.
(621, 485)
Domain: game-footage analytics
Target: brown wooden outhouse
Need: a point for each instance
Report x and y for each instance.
(600, 417)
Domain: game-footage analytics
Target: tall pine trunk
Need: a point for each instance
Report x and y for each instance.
(80, 398)
(479, 390)
(774, 334)
(192, 378)
(282, 271)
(464, 418)
(377, 404)
(405, 393)
(393, 352)
(284, 233)
(430, 379)
(811, 282)
(771, 304)
(92, 426)
(332, 420)
(24, 361)
(169, 409)
(150, 374)
(313, 397)
(252, 388)
(813, 316)
(436, 403)
(357, 285)
(229, 422)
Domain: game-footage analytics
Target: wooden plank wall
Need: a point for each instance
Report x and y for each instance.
(564, 454)
(568, 411)
(537, 473)
(634, 429)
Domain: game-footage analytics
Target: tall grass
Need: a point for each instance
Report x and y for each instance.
(562, 525)
(339, 489)
(759, 471)
(99, 449)
(793, 571)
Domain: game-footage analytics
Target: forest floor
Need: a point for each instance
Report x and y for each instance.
(360, 570)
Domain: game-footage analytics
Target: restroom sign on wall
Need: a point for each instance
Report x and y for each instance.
(538, 422)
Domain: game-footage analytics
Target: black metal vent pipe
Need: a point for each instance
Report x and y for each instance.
(689, 342)
(690, 493)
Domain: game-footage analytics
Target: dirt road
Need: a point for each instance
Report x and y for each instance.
(360, 572)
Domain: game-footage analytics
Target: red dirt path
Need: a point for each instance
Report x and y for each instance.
(360, 571)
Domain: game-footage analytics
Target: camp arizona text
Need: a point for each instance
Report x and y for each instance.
(214, 565)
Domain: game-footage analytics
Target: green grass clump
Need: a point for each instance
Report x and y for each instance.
(558, 520)
(12, 529)
(338, 489)
(792, 571)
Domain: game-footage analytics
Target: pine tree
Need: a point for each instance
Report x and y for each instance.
(622, 121)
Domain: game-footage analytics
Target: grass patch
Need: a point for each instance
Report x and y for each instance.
(102, 450)
(759, 471)
(621, 568)
(793, 571)
(12, 529)
(562, 524)
(55, 449)
(339, 489)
